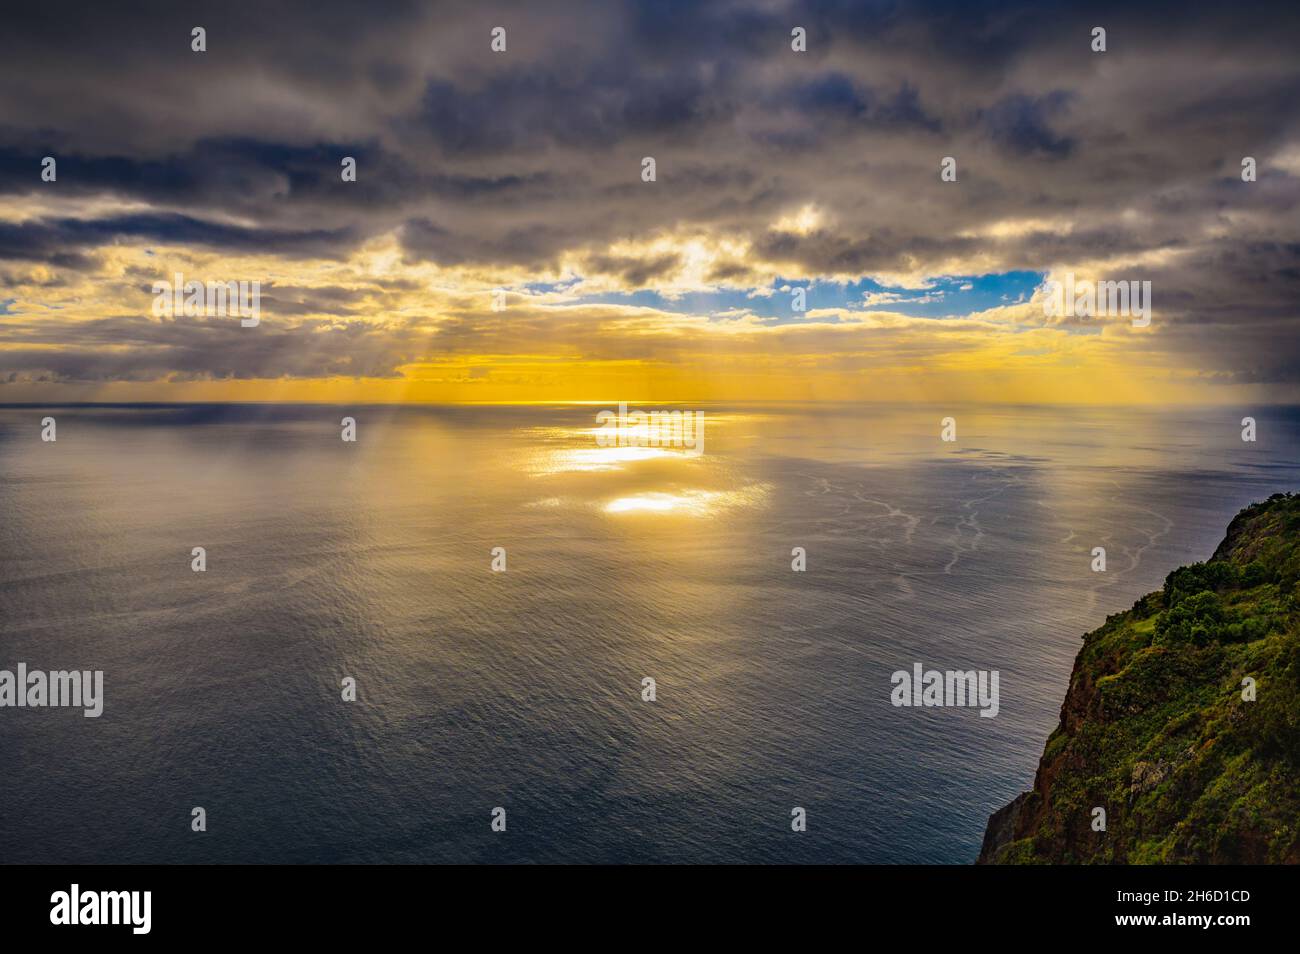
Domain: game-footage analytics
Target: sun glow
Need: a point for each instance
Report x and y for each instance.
(595, 459)
(691, 503)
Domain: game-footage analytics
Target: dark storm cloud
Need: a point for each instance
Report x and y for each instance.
(131, 347)
(1023, 124)
(470, 157)
(533, 109)
(529, 245)
(61, 241)
(635, 271)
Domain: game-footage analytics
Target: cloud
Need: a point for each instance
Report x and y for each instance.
(479, 170)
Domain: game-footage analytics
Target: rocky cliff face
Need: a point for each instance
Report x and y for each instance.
(1179, 739)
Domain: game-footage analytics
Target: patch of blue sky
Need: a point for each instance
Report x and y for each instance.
(950, 295)
(548, 288)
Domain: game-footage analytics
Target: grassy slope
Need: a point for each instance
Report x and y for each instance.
(1154, 728)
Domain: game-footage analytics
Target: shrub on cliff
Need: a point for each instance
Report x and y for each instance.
(1197, 619)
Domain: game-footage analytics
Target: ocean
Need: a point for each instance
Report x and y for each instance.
(372, 560)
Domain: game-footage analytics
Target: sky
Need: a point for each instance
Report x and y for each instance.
(500, 242)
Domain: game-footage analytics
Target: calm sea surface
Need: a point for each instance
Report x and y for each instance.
(522, 689)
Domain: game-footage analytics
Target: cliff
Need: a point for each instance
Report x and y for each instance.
(1160, 727)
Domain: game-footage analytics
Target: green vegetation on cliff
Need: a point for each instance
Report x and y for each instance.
(1155, 729)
